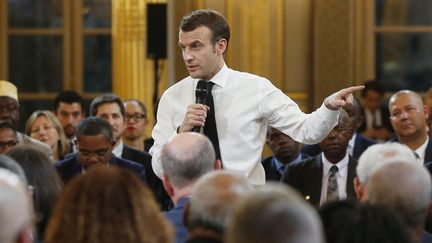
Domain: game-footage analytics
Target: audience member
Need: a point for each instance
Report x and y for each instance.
(15, 210)
(408, 117)
(358, 143)
(376, 125)
(427, 101)
(347, 221)
(136, 123)
(10, 164)
(8, 137)
(212, 203)
(70, 110)
(405, 188)
(285, 151)
(107, 205)
(185, 158)
(42, 177)
(95, 143)
(274, 213)
(242, 104)
(328, 176)
(9, 112)
(110, 108)
(375, 156)
(44, 126)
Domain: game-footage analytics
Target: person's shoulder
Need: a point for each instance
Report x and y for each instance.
(135, 154)
(128, 164)
(306, 163)
(68, 161)
(246, 76)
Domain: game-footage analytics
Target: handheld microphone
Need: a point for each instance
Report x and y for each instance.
(200, 97)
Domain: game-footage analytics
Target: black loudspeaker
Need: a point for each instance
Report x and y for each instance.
(157, 30)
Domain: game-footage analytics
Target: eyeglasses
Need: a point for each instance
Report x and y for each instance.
(8, 144)
(99, 153)
(136, 117)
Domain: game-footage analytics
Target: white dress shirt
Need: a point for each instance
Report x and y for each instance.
(341, 177)
(421, 152)
(245, 104)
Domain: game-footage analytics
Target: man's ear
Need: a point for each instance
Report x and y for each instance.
(358, 188)
(186, 214)
(167, 185)
(221, 46)
(218, 165)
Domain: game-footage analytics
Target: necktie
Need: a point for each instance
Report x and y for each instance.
(210, 128)
(332, 186)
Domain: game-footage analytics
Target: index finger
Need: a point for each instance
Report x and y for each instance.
(351, 89)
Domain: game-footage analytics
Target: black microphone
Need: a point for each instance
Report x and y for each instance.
(200, 97)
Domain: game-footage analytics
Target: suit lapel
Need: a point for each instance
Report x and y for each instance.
(428, 152)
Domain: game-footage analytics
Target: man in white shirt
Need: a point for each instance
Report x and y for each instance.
(244, 104)
(408, 116)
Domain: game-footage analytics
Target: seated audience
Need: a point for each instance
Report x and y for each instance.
(212, 203)
(285, 151)
(43, 179)
(347, 221)
(45, 127)
(8, 137)
(95, 143)
(274, 213)
(15, 210)
(328, 176)
(107, 205)
(185, 159)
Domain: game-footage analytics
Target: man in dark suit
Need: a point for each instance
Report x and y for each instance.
(285, 151)
(329, 175)
(358, 143)
(110, 108)
(94, 145)
(408, 116)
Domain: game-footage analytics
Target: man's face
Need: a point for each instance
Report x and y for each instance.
(408, 116)
(202, 57)
(354, 115)
(284, 148)
(111, 113)
(9, 110)
(372, 100)
(135, 120)
(69, 115)
(8, 140)
(336, 142)
(93, 150)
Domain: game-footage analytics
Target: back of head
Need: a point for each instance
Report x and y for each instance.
(187, 157)
(104, 99)
(406, 188)
(213, 199)
(372, 85)
(353, 222)
(93, 126)
(274, 213)
(15, 209)
(10, 164)
(68, 97)
(106, 205)
(209, 18)
(380, 154)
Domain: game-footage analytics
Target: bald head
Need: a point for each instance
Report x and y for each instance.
(406, 188)
(15, 209)
(186, 157)
(213, 199)
(274, 213)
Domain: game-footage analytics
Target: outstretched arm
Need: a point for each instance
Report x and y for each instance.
(341, 98)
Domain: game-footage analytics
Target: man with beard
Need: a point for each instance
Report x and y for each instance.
(329, 175)
(408, 116)
(285, 151)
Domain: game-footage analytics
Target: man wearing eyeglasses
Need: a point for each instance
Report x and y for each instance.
(95, 142)
(8, 137)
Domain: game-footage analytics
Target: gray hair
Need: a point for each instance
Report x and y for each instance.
(187, 157)
(213, 199)
(381, 154)
(274, 213)
(10, 164)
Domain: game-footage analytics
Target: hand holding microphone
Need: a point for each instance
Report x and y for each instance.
(196, 113)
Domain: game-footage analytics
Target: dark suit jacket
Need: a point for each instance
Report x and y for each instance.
(71, 166)
(306, 177)
(153, 182)
(361, 143)
(428, 151)
(272, 174)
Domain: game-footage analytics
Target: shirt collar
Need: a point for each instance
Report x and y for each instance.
(327, 164)
(118, 149)
(351, 144)
(221, 77)
(420, 151)
(277, 164)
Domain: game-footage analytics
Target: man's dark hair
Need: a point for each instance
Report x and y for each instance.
(93, 126)
(69, 96)
(140, 104)
(209, 18)
(104, 99)
(372, 85)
